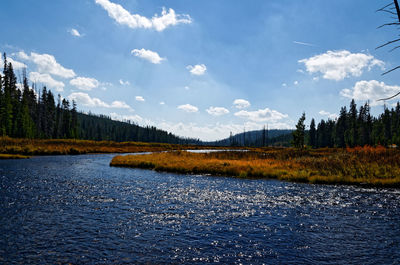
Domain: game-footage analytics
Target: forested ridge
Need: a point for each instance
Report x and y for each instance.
(357, 127)
(26, 113)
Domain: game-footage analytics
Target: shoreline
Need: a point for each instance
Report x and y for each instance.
(336, 167)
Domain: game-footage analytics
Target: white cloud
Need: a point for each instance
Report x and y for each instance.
(284, 84)
(148, 55)
(217, 111)
(46, 80)
(159, 23)
(188, 108)
(215, 131)
(241, 103)
(296, 83)
(162, 103)
(139, 98)
(370, 90)
(124, 83)
(332, 116)
(261, 115)
(119, 105)
(198, 69)
(86, 100)
(47, 64)
(16, 65)
(124, 118)
(74, 32)
(84, 83)
(337, 65)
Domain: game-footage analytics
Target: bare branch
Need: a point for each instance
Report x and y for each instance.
(387, 43)
(389, 97)
(391, 70)
(389, 24)
(396, 3)
(395, 48)
(380, 9)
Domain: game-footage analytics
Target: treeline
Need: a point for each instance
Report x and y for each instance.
(357, 127)
(101, 127)
(25, 113)
(258, 138)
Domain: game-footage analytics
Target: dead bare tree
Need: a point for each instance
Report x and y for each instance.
(394, 10)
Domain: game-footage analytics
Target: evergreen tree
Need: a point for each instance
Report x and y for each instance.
(353, 128)
(298, 134)
(312, 134)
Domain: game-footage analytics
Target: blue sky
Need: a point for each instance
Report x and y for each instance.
(204, 68)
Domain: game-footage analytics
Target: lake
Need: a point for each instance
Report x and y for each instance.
(77, 209)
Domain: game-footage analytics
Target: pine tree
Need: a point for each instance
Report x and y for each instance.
(341, 128)
(299, 133)
(74, 121)
(312, 134)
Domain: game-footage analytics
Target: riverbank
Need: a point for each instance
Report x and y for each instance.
(12, 156)
(33, 147)
(372, 166)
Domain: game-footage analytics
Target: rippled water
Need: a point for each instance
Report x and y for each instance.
(77, 209)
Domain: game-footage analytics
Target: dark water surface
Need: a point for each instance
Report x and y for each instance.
(77, 209)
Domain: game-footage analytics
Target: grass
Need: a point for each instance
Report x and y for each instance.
(12, 156)
(372, 166)
(75, 147)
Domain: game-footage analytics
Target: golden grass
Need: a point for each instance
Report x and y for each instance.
(75, 147)
(12, 156)
(368, 166)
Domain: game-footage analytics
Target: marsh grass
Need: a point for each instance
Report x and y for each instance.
(12, 156)
(373, 166)
(76, 147)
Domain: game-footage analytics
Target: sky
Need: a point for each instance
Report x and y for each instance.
(203, 69)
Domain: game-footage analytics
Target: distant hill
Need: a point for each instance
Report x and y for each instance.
(102, 127)
(255, 138)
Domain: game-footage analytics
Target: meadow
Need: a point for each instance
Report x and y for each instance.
(28, 147)
(369, 166)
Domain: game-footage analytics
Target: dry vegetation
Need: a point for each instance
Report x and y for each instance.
(374, 166)
(75, 147)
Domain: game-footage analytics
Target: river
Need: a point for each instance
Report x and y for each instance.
(78, 210)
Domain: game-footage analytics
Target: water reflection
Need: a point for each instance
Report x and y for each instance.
(77, 209)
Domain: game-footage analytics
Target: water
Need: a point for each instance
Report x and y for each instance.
(77, 209)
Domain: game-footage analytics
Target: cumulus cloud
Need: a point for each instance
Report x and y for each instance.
(332, 116)
(124, 83)
(370, 90)
(162, 103)
(16, 65)
(47, 64)
(139, 98)
(241, 103)
(261, 115)
(86, 100)
(159, 23)
(46, 80)
(133, 118)
(198, 69)
(337, 65)
(188, 108)
(147, 55)
(217, 111)
(215, 131)
(84, 83)
(74, 32)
